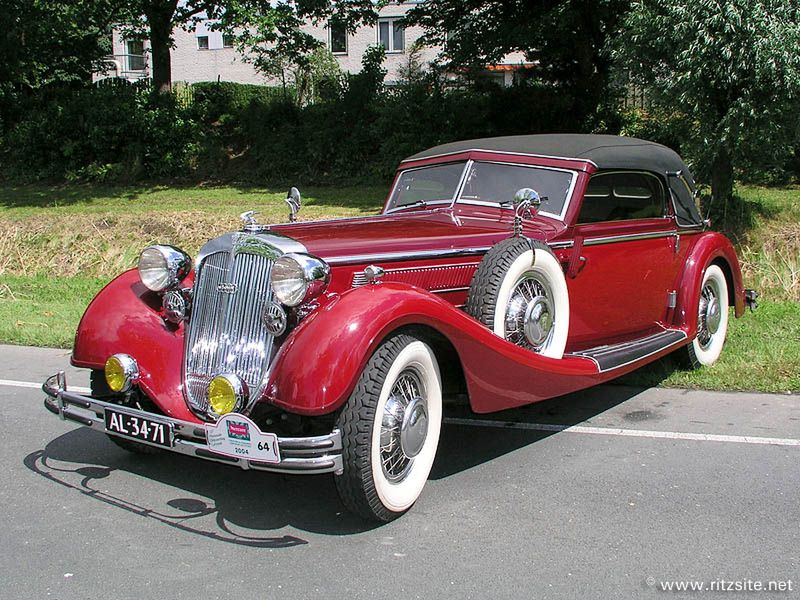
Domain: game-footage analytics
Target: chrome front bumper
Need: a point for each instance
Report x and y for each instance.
(305, 455)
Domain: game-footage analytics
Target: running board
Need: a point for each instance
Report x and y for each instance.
(619, 355)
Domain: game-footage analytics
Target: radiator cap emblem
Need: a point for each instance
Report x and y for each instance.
(274, 318)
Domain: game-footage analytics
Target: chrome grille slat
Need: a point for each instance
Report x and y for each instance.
(225, 333)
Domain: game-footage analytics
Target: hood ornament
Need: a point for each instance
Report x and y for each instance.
(293, 200)
(250, 221)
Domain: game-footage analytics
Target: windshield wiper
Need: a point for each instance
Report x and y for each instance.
(415, 203)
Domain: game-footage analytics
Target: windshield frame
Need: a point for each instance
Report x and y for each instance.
(456, 199)
(559, 216)
(449, 202)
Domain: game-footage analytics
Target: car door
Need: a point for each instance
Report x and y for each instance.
(624, 259)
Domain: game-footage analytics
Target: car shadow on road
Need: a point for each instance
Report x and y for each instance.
(251, 508)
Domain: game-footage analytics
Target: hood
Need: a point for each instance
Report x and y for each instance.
(348, 240)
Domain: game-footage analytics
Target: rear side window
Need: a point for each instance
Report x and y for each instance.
(622, 196)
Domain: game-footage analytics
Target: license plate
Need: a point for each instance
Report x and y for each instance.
(139, 428)
(236, 435)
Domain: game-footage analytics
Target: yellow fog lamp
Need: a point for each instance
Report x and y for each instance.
(121, 372)
(226, 393)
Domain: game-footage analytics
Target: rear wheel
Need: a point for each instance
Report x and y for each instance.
(101, 391)
(712, 321)
(390, 429)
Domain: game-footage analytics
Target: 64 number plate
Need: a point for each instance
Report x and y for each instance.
(139, 428)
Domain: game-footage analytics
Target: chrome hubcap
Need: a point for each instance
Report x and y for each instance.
(538, 321)
(530, 316)
(404, 426)
(709, 315)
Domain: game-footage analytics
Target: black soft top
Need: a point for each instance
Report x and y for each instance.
(605, 151)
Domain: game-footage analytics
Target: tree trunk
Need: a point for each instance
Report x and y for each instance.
(722, 177)
(159, 17)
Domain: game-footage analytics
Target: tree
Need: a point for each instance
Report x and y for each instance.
(730, 69)
(565, 38)
(50, 42)
(263, 26)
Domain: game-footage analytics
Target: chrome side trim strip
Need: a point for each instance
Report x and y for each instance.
(630, 237)
(400, 256)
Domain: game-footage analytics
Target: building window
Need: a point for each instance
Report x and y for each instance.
(202, 42)
(338, 38)
(227, 40)
(392, 35)
(134, 55)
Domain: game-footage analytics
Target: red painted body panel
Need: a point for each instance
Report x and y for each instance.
(126, 317)
(313, 374)
(706, 248)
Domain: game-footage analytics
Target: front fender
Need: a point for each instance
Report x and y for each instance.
(126, 317)
(710, 247)
(318, 366)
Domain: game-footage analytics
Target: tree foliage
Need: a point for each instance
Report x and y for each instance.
(729, 69)
(267, 31)
(565, 38)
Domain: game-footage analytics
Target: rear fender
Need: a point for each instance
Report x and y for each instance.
(712, 247)
(125, 317)
(318, 365)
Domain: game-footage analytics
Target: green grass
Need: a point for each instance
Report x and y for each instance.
(86, 234)
(43, 311)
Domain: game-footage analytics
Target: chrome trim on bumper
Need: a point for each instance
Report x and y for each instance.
(306, 455)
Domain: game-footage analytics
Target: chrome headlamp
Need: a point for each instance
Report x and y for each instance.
(298, 278)
(163, 267)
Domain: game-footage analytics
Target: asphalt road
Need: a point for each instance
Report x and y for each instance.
(610, 493)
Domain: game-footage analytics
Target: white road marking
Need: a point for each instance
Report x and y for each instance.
(554, 427)
(671, 435)
(38, 386)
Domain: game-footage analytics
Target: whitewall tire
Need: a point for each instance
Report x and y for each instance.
(520, 293)
(712, 319)
(390, 429)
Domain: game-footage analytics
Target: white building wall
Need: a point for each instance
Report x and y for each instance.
(193, 64)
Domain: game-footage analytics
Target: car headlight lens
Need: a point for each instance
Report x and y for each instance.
(298, 278)
(121, 372)
(226, 393)
(163, 267)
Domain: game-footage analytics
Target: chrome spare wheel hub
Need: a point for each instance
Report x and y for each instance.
(709, 315)
(404, 426)
(530, 316)
(538, 321)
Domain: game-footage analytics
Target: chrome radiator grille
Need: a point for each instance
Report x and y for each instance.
(225, 333)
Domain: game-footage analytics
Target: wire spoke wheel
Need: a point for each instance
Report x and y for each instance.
(390, 429)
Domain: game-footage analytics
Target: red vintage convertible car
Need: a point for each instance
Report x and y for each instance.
(504, 270)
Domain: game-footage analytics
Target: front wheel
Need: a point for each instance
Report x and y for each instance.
(390, 429)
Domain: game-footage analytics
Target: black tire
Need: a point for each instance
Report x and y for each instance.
(101, 391)
(367, 487)
(504, 267)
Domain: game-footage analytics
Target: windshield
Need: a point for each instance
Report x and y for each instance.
(483, 182)
(428, 185)
(497, 183)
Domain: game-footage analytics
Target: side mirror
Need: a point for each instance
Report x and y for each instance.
(293, 200)
(528, 197)
(526, 204)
